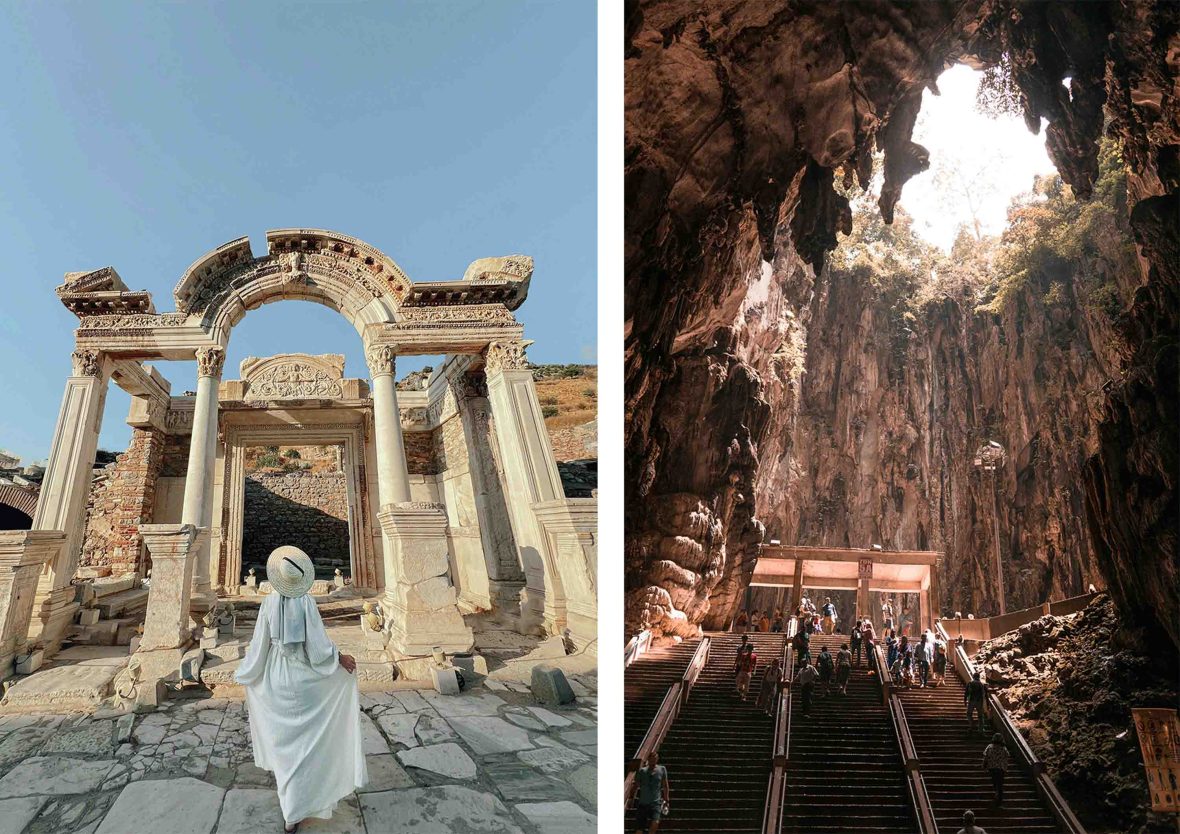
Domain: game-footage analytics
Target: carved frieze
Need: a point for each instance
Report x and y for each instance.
(461, 313)
(131, 321)
(210, 361)
(506, 356)
(293, 381)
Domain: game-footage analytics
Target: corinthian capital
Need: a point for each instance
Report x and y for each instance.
(210, 361)
(381, 359)
(506, 356)
(86, 362)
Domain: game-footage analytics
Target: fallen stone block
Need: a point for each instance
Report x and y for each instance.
(27, 664)
(549, 686)
(88, 616)
(471, 664)
(445, 680)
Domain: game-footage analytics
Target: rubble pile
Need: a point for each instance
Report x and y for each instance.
(1070, 683)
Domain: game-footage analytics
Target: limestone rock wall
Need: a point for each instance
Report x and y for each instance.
(739, 115)
(309, 511)
(891, 412)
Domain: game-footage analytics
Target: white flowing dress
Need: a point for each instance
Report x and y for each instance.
(305, 718)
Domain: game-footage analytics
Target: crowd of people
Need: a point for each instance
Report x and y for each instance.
(919, 664)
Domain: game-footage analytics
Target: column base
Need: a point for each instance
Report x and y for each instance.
(420, 602)
(53, 614)
(23, 553)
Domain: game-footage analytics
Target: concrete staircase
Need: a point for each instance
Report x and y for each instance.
(952, 764)
(718, 753)
(844, 770)
(645, 683)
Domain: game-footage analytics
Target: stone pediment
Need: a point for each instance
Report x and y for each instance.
(293, 376)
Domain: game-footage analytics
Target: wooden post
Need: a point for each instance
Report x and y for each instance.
(797, 585)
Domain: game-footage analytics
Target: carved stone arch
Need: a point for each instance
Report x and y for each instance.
(343, 273)
(21, 500)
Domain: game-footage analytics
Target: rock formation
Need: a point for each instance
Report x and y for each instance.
(740, 115)
(1070, 686)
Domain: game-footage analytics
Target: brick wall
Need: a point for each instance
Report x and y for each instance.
(420, 453)
(309, 511)
(121, 498)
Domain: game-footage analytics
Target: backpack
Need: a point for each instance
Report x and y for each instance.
(975, 691)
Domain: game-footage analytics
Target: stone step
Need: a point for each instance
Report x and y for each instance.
(123, 603)
(114, 632)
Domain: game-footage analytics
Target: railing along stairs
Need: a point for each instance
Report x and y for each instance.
(1003, 724)
(670, 707)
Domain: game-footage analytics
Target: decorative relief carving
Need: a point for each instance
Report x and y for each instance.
(469, 385)
(381, 359)
(462, 313)
(506, 356)
(292, 267)
(293, 381)
(132, 321)
(415, 418)
(179, 421)
(210, 361)
(86, 362)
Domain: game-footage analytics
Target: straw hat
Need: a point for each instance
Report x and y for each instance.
(290, 571)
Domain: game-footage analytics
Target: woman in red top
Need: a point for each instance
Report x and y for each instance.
(746, 667)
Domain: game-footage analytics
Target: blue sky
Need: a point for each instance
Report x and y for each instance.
(143, 135)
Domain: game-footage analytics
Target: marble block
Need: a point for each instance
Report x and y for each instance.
(446, 681)
(27, 664)
(88, 616)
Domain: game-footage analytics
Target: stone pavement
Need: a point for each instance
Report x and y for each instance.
(489, 760)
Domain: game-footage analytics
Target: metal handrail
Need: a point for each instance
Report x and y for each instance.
(669, 709)
(636, 646)
(919, 797)
(699, 658)
(772, 813)
(1004, 724)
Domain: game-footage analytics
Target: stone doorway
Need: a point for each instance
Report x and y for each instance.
(296, 495)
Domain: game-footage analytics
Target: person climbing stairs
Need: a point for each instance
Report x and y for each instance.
(952, 767)
(844, 770)
(718, 753)
(645, 683)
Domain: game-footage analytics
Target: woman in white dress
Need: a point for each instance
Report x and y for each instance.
(304, 707)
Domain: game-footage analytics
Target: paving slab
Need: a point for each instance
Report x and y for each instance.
(450, 706)
(444, 759)
(54, 776)
(431, 729)
(439, 810)
(399, 727)
(346, 820)
(178, 806)
(486, 735)
(385, 774)
(517, 782)
(250, 811)
(553, 759)
(15, 814)
(551, 719)
(372, 742)
(566, 817)
(585, 781)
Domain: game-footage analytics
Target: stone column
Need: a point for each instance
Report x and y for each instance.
(22, 555)
(393, 479)
(530, 477)
(198, 483)
(166, 630)
(62, 503)
(419, 602)
(505, 575)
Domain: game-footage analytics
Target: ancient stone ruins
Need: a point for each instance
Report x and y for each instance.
(454, 503)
